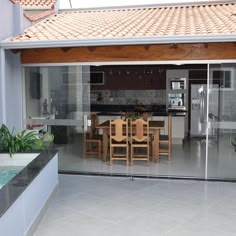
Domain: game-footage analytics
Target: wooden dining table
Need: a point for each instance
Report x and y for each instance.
(154, 127)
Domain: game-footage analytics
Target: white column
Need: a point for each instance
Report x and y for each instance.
(207, 120)
(45, 89)
(79, 92)
(75, 94)
(86, 90)
(3, 86)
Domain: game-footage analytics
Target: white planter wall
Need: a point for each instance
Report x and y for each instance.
(18, 219)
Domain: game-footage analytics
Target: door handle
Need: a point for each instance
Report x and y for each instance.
(202, 107)
(85, 123)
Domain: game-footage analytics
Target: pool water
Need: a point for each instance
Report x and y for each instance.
(7, 173)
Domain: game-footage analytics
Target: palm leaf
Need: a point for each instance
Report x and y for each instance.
(22, 141)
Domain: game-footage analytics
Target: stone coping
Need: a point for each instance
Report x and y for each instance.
(16, 186)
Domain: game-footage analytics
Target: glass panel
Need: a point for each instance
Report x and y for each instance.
(57, 101)
(197, 121)
(222, 121)
(58, 98)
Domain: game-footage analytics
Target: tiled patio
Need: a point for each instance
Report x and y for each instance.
(86, 205)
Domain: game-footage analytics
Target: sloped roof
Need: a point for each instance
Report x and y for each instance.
(35, 10)
(40, 15)
(172, 21)
(48, 3)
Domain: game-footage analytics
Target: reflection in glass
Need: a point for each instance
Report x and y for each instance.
(222, 123)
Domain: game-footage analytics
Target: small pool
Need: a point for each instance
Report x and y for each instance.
(7, 173)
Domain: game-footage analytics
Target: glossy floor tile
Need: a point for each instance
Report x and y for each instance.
(188, 160)
(89, 205)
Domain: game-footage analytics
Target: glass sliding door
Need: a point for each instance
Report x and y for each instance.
(58, 102)
(197, 122)
(222, 121)
(59, 98)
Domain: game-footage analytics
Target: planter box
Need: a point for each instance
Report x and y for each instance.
(25, 197)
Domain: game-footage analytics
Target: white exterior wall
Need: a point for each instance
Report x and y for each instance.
(13, 91)
(22, 216)
(10, 67)
(6, 16)
(13, 18)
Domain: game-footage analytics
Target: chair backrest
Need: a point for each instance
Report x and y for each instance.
(118, 130)
(139, 130)
(94, 122)
(169, 126)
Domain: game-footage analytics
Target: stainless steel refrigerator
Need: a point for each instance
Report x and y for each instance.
(199, 108)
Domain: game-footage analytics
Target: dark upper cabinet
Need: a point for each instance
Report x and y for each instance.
(130, 78)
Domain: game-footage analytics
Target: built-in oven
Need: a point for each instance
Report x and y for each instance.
(178, 83)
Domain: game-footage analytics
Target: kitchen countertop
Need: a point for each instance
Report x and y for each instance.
(155, 113)
(117, 110)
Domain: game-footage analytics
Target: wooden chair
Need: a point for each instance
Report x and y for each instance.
(92, 141)
(165, 141)
(119, 139)
(140, 139)
(147, 116)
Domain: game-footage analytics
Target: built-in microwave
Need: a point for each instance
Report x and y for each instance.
(178, 83)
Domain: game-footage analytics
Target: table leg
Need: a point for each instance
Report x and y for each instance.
(156, 144)
(105, 144)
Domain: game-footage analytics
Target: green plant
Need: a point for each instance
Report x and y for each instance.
(19, 142)
(7, 140)
(134, 117)
(47, 139)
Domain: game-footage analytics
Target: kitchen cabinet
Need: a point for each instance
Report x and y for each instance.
(132, 77)
(178, 127)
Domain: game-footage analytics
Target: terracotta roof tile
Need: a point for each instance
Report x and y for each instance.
(48, 3)
(40, 15)
(166, 21)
